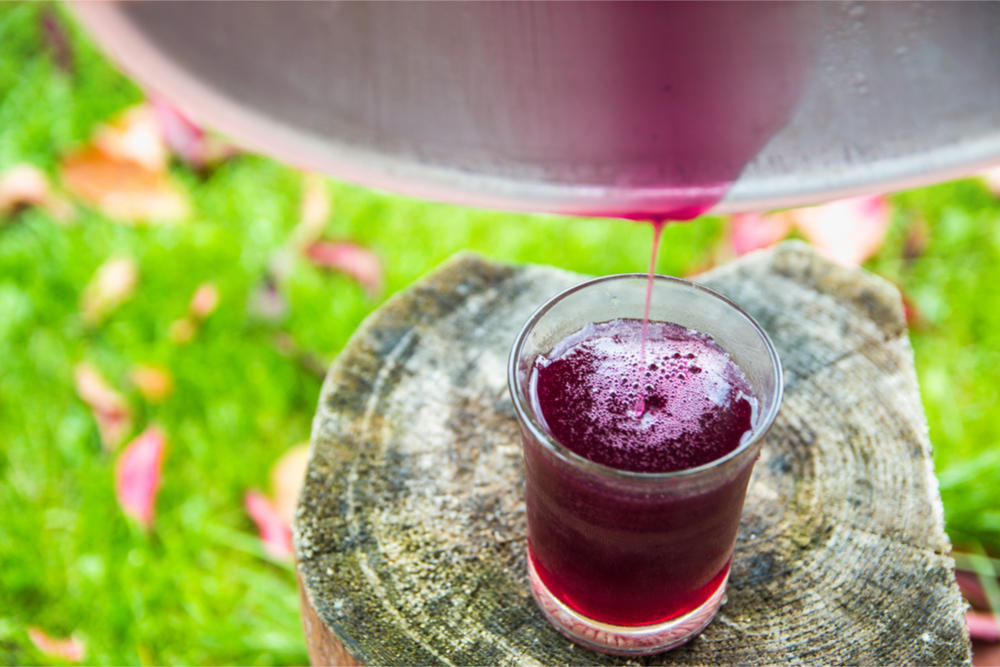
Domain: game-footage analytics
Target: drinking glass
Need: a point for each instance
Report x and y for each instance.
(627, 562)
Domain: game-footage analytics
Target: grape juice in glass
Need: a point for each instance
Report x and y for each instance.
(639, 440)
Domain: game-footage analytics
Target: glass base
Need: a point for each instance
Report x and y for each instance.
(623, 639)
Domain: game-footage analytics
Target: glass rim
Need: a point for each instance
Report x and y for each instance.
(526, 414)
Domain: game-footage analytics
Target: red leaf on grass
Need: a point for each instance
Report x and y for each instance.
(350, 258)
(848, 231)
(287, 476)
(983, 626)
(113, 284)
(69, 648)
(137, 475)
(186, 139)
(181, 134)
(275, 532)
(55, 38)
(110, 409)
(985, 654)
(753, 231)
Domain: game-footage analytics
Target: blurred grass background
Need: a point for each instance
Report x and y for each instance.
(199, 588)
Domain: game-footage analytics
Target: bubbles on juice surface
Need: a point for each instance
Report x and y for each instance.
(680, 403)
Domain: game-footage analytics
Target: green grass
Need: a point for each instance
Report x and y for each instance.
(198, 588)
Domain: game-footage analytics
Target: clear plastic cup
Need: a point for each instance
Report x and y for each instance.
(606, 544)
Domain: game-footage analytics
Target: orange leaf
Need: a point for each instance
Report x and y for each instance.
(753, 231)
(350, 258)
(113, 283)
(154, 382)
(137, 475)
(848, 231)
(134, 136)
(287, 476)
(71, 649)
(275, 532)
(122, 189)
(111, 411)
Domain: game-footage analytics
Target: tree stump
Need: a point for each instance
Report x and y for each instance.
(410, 526)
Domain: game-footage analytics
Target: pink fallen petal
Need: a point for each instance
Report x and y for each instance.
(71, 649)
(275, 532)
(137, 475)
(110, 409)
(113, 284)
(204, 302)
(182, 135)
(848, 231)
(287, 476)
(753, 231)
(186, 139)
(350, 258)
(983, 626)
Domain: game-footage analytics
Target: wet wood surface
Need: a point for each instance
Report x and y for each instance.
(410, 527)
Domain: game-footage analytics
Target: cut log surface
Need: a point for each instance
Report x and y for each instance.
(410, 527)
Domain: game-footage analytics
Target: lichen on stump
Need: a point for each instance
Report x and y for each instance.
(410, 527)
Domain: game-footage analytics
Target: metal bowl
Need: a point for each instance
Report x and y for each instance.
(587, 108)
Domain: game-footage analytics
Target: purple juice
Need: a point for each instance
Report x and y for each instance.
(697, 403)
(636, 558)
